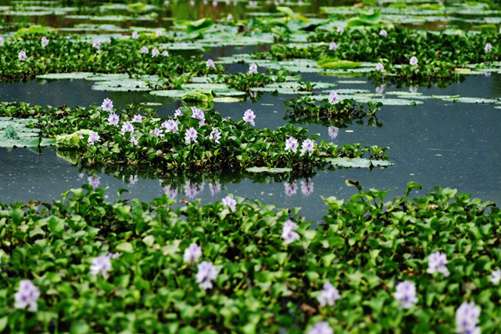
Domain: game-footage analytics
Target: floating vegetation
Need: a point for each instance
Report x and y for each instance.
(194, 140)
(26, 57)
(332, 111)
(185, 261)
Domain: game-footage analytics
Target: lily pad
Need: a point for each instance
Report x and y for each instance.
(16, 133)
(268, 170)
(359, 163)
(65, 76)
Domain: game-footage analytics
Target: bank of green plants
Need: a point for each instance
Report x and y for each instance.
(97, 266)
(438, 53)
(24, 56)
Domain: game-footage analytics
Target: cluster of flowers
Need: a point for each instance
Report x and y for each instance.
(168, 126)
(467, 315)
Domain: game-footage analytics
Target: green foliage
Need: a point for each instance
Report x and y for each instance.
(63, 55)
(364, 248)
(241, 146)
(340, 114)
(246, 81)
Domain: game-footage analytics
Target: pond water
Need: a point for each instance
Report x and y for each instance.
(436, 143)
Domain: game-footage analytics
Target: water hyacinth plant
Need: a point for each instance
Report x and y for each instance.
(201, 141)
(370, 247)
(333, 111)
(30, 55)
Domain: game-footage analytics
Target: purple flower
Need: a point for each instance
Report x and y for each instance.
(2, 40)
(230, 203)
(405, 294)
(93, 138)
(253, 68)
(198, 113)
(170, 125)
(96, 44)
(27, 296)
(107, 105)
(437, 263)
(380, 89)
(94, 181)
(467, 318)
(333, 132)
(170, 192)
(307, 187)
(156, 132)
(144, 50)
(190, 136)
(207, 273)
(249, 117)
(290, 188)
(137, 118)
(215, 135)
(155, 52)
(488, 47)
(101, 265)
(496, 276)
(22, 55)
(44, 41)
(383, 33)
(133, 140)
(211, 64)
(413, 61)
(113, 119)
(289, 233)
(192, 253)
(135, 35)
(291, 144)
(307, 147)
(178, 113)
(333, 46)
(321, 327)
(379, 67)
(328, 295)
(127, 127)
(333, 97)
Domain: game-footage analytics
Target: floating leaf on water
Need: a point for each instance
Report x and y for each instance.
(65, 76)
(173, 93)
(268, 170)
(358, 163)
(14, 132)
(108, 77)
(228, 99)
(126, 85)
(335, 64)
(464, 99)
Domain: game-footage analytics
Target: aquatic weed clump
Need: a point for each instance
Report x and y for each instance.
(338, 112)
(192, 140)
(240, 264)
(67, 54)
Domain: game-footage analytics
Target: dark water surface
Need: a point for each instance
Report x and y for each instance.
(436, 144)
